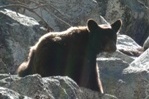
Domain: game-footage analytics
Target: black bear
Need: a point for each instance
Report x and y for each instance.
(72, 53)
(146, 44)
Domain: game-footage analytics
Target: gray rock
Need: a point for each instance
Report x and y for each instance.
(118, 55)
(65, 13)
(123, 80)
(54, 87)
(126, 42)
(141, 64)
(135, 79)
(110, 70)
(89, 94)
(128, 46)
(17, 33)
(6, 93)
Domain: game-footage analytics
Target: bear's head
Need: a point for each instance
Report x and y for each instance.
(103, 37)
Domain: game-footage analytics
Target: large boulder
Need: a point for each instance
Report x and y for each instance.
(36, 87)
(17, 34)
(137, 78)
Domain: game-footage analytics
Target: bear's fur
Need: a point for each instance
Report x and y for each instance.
(72, 53)
(146, 44)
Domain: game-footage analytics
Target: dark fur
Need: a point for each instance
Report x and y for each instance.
(72, 53)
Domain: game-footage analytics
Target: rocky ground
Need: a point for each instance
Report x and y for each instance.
(124, 74)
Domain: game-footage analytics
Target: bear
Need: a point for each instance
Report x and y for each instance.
(146, 44)
(72, 53)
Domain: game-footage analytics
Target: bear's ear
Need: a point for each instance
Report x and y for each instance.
(116, 25)
(92, 25)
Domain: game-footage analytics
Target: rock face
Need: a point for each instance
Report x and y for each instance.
(17, 33)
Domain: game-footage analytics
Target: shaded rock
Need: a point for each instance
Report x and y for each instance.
(36, 87)
(4, 76)
(54, 87)
(3, 67)
(10, 94)
(89, 94)
(17, 33)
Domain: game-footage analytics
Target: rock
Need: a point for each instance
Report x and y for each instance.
(123, 80)
(139, 65)
(137, 78)
(36, 87)
(128, 46)
(54, 87)
(17, 34)
(62, 14)
(138, 16)
(95, 95)
(3, 67)
(6, 93)
(118, 55)
(110, 70)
